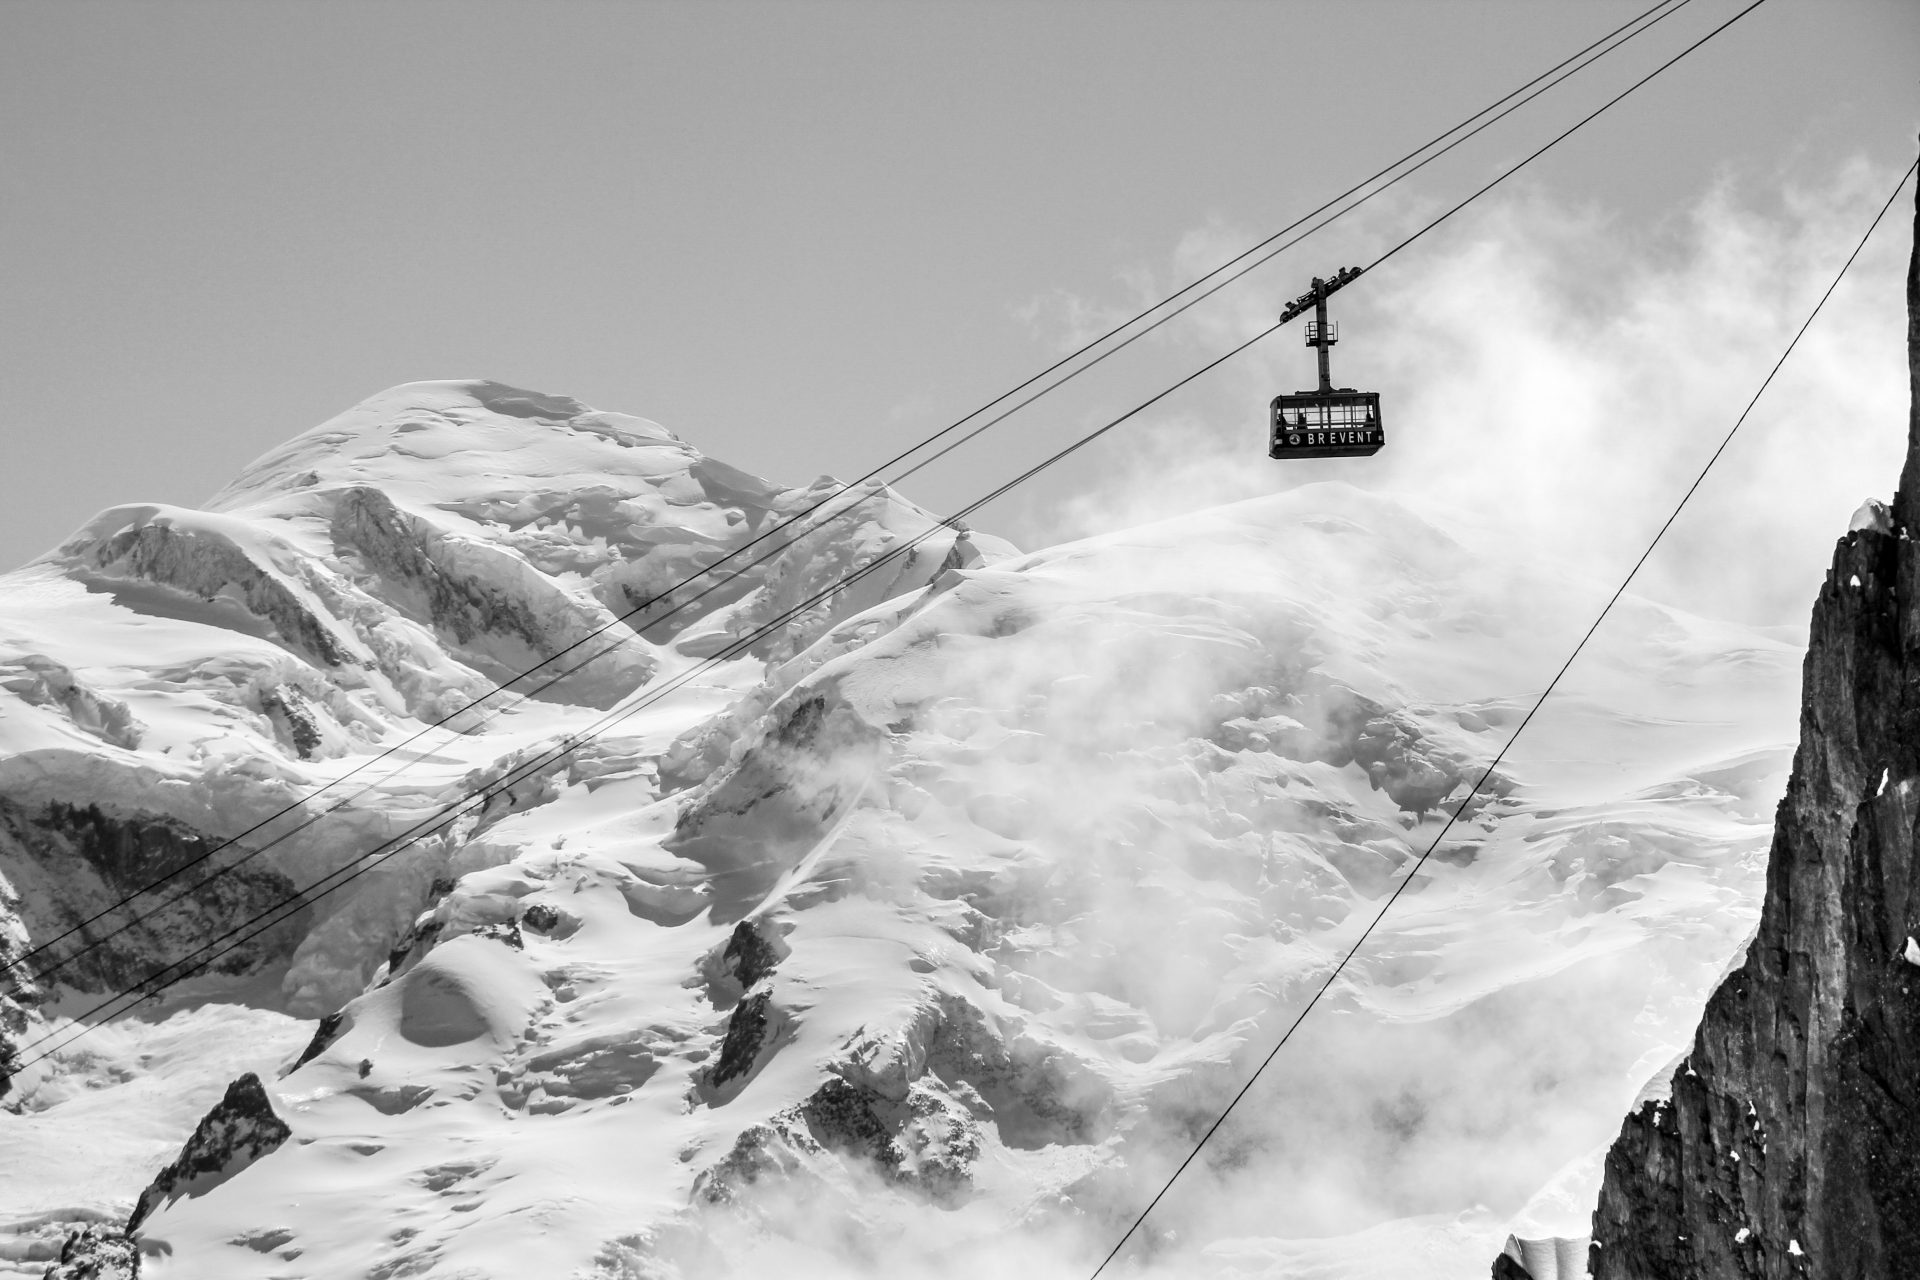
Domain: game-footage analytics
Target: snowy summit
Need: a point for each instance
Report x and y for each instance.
(918, 928)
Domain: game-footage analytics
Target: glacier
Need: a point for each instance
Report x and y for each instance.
(922, 936)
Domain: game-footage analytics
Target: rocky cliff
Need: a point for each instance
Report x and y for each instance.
(1790, 1144)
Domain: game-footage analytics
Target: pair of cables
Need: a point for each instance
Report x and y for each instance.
(474, 804)
(491, 704)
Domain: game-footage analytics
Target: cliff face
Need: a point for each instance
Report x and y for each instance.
(1791, 1142)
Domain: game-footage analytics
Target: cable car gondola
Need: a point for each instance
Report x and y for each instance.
(1333, 422)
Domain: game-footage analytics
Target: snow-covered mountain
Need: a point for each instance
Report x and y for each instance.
(921, 938)
(170, 679)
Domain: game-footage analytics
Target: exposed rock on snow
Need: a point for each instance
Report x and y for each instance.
(753, 952)
(205, 560)
(929, 946)
(232, 1136)
(171, 678)
(96, 1253)
(1507, 1267)
(381, 570)
(68, 860)
(488, 606)
(921, 936)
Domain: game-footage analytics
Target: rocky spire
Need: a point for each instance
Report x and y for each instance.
(1907, 501)
(1790, 1145)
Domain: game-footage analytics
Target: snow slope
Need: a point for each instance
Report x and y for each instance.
(171, 678)
(933, 951)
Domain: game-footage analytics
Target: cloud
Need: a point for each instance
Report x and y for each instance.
(1156, 892)
(1553, 374)
(1115, 751)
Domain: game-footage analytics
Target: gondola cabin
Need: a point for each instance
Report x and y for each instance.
(1332, 422)
(1326, 424)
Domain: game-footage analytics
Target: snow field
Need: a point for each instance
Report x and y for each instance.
(967, 923)
(169, 678)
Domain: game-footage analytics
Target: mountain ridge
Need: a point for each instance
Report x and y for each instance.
(939, 923)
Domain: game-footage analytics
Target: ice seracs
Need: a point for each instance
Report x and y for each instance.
(170, 678)
(935, 948)
(920, 937)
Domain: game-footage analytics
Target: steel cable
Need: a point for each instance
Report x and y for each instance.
(1486, 774)
(1567, 67)
(342, 876)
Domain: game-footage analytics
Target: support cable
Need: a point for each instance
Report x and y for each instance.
(102, 939)
(1567, 67)
(241, 934)
(1488, 771)
(154, 983)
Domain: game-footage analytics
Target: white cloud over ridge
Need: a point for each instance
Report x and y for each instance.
(1105, 810)
(1553, 375)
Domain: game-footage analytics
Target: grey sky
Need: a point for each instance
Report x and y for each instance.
(799, 234)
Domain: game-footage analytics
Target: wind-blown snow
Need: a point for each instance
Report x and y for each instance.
(927, 942)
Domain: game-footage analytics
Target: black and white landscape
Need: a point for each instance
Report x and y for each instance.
(491, 834)
(926, 933)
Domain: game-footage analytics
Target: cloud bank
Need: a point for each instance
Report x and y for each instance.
(1553, 375)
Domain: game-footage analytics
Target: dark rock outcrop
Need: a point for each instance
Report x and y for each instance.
(96, 1253)
(239, 1130)
(747, 1036)
(69, 861)
(210, 566)
(488, 604)
(325, 1032)
(1790, 1145)
(752, 952)
(923, 1144)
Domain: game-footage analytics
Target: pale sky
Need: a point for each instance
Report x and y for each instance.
(799, 234)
